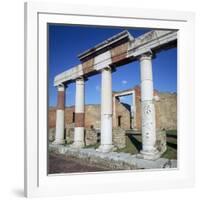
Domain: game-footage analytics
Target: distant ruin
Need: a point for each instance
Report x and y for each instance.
(166, 118)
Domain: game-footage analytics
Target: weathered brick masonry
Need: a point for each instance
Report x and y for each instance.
(166, 118)
(166, 113)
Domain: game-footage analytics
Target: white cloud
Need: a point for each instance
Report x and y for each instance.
(97, 88)
(124, 82)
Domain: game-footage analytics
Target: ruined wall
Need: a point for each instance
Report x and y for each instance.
(92, 136)
(165, 107)
(92, 116)
(124, 114)
(92, 124)
(167, 111)
(52, 116)
(166, 118)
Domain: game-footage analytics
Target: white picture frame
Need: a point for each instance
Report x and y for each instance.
(37, 182)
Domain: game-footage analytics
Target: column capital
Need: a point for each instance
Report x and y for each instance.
(81, 78)
(61, 87)
(146, 56)
(107, 68)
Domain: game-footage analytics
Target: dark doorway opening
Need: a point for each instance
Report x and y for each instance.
(73, 117)
(119, 120)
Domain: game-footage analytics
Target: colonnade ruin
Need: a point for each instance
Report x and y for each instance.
(104, 59)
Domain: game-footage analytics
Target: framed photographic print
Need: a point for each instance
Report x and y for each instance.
(109, 99)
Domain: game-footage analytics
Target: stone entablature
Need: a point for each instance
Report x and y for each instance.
(117, 50)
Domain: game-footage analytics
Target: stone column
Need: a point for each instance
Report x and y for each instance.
(149, 150)
(133, 114)
(79, 114)
(114, 111)
(60, 116)
(106, 110)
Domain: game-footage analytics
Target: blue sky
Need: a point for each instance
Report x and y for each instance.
(67, 41)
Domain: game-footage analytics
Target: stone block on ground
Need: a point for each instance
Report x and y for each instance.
(119, 137)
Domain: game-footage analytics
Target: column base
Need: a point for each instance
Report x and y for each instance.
(78, 145)
(149, 155)
(58, 141)
(105, 148)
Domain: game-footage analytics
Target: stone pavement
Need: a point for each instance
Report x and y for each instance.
(113, 160)
(59, 163)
